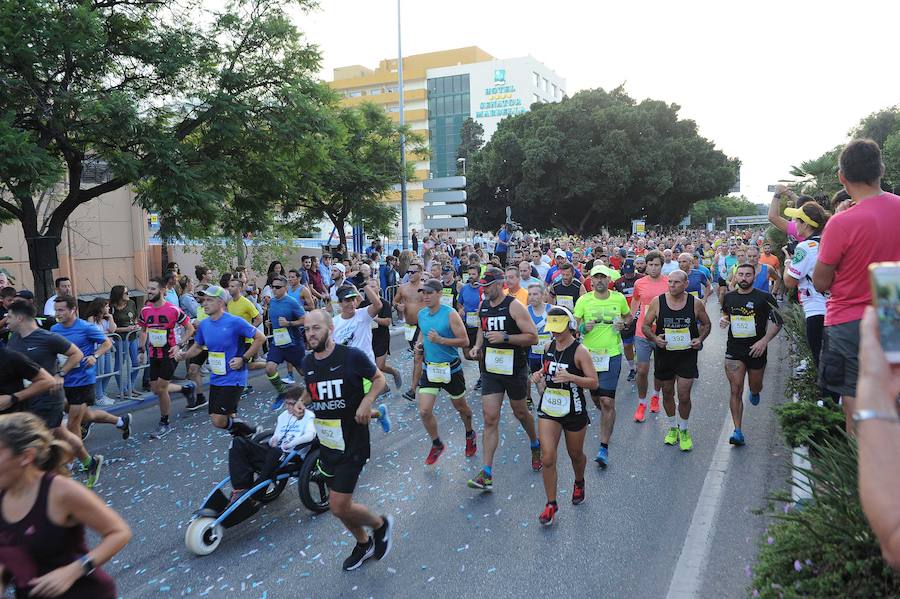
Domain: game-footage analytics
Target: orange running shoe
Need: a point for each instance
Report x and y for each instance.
(641, 413)
(654, 404)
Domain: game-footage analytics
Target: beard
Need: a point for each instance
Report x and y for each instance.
(745, 284)
(320, 346)
(154, 298)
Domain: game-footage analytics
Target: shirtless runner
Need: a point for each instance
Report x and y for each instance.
(409, 301)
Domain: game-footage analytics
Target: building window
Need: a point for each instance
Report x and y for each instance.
(375, 91)
(395, 108)
(536, 79)
(448, 107)
(390, 89)
(354, 93)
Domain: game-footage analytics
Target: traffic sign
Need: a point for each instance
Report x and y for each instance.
(457, 195)
(445, 183)
(444, 209)
(459, 222)
(738, 221)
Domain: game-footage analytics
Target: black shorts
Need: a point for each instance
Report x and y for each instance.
(82, 395)
(571, 422)
(473, 336)
(839, 362)
(162, 368)
(200, 359)
(455, 388)
(415, 339)
(671, 364)
(750, 362)
(342, 476)
(223, 400)
(723, 283)
(49, 409)
(515, 385)
(381, 345)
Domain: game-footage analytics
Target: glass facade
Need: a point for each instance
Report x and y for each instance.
(448, 107)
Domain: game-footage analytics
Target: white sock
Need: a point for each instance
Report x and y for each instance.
(683, 425)
(642, 400)
(120, 423)
(630, 364)
(672, 421)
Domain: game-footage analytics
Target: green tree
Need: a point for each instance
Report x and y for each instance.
(130, 86)
(471, 141)
(721, 207)
(879, 125)
(361, 163)
(891, 157)
(818, 176)
(593, 160)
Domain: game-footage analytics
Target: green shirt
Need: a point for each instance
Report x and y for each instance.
(604, 337)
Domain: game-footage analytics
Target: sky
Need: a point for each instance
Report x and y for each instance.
(771, 83)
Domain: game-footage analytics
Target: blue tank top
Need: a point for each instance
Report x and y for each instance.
(470, 297)
(438, 322)
(761, 281)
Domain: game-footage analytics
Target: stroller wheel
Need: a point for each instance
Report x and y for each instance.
(201, 537)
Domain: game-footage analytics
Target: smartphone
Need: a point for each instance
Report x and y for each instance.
(885, 277)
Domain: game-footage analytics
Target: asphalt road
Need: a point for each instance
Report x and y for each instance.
(624, 541)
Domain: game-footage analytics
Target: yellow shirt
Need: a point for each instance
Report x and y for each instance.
(244, 308)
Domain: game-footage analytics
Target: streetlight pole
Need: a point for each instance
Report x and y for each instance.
(404, 210)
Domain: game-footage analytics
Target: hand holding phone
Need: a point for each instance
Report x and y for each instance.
(885, 279)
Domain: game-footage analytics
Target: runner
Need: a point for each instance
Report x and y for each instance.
(765, 274)
(381, 344)
(537, 310)
(752, 319)
(450, 287)
(507, 332)
(566, 291)
(224, 336)
(697, 281)
(514, 287)
(157, 320)
(341, 384)
(353, 325)
(285, 317)
(678, 324)
(625, 286)
(602, 316)
(469, 303)
(240, 306)
(443, 332)
(646, 289)
(299, 291)
(567, 371)
(408, 302)
(338, 272)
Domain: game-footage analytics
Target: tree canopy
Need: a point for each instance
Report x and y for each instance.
(721, 207)
(597, 159)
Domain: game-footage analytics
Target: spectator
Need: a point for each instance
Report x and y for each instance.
(878, 434)
(186, 300)
(63, 287)
(387, 277)
(852, 240)
(415, 242)
(98, 314)
(204, 275)
(170, 295)
(325, 270)
(125, 313)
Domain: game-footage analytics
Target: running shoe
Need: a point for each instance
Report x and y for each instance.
(126, 426)
(106, 401)
(382, 537)
(200, 402)
(190, 393)
(754, 399)
(578, 493)
(536, 463)
(383, 419)
(631, 374)
(86, 430)
(288, 380)
(278, 402)
(161, 431)
(483, 481)
(398, 382)
(434, 454)
(471, 445)
(361, 553)
(641, 413)
(529, 403)
(548, 516)
(737, 438)
(671, 436)
(93, 471)
(654, 404)
(602, 458)
(684, 440)
(409, 395)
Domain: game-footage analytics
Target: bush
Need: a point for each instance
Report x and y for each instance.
(806, 423)
(825, 548)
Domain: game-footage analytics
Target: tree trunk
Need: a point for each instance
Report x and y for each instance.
(241, 251)
(342, 235)
(43, 257)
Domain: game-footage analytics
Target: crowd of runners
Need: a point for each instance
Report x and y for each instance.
(546, 323)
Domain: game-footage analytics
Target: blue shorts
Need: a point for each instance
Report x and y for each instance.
(609, 379)
(289, 353)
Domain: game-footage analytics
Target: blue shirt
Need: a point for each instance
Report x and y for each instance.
(85, 337)
(225, 335)
(696, 282)
(470, 296)
(295, 293)
(440, 323)
(325, 271)
(502, 245)
(291, 310)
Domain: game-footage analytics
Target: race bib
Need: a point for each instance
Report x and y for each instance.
(556, 402)
(472, 320)
(601, 361)
(438, 372)
(159, 337)
(498, 361)
(743, 327)
(465, 278)
(677, 339)
(330, 433)
(409, 332)
(543, 340)
(565, 301)
(282, 337)
(695, 294)
(217, 362)
(446, 300)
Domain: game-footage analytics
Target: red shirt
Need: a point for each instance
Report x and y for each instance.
(160, 324)
(851, 241)
(645, 289)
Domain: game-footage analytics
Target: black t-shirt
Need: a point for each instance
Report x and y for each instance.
(337, 388)
(383, 333)
(14, 369)
(758, 306)
(43, 347)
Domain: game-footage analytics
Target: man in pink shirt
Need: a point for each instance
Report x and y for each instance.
(651, 285)
(852, 240)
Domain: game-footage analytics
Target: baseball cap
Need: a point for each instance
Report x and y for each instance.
(492, 275)
(25, 294)
(799, 213)
(602, 269)
(346, 291)
(340, 267)
(558, 319)
(432, 286)
(628, 267)
(446, 268)
(215, 291)
(559, 254)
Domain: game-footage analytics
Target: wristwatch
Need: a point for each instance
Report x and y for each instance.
(863, 415)
(87, 564)
(13, 399)
(505, 337)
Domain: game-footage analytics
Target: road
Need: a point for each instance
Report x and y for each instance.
(640, 519)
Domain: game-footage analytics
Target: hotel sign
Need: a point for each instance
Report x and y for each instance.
(499, 100)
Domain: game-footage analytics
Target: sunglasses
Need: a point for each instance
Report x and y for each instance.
(411, 272)
(277, 286)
